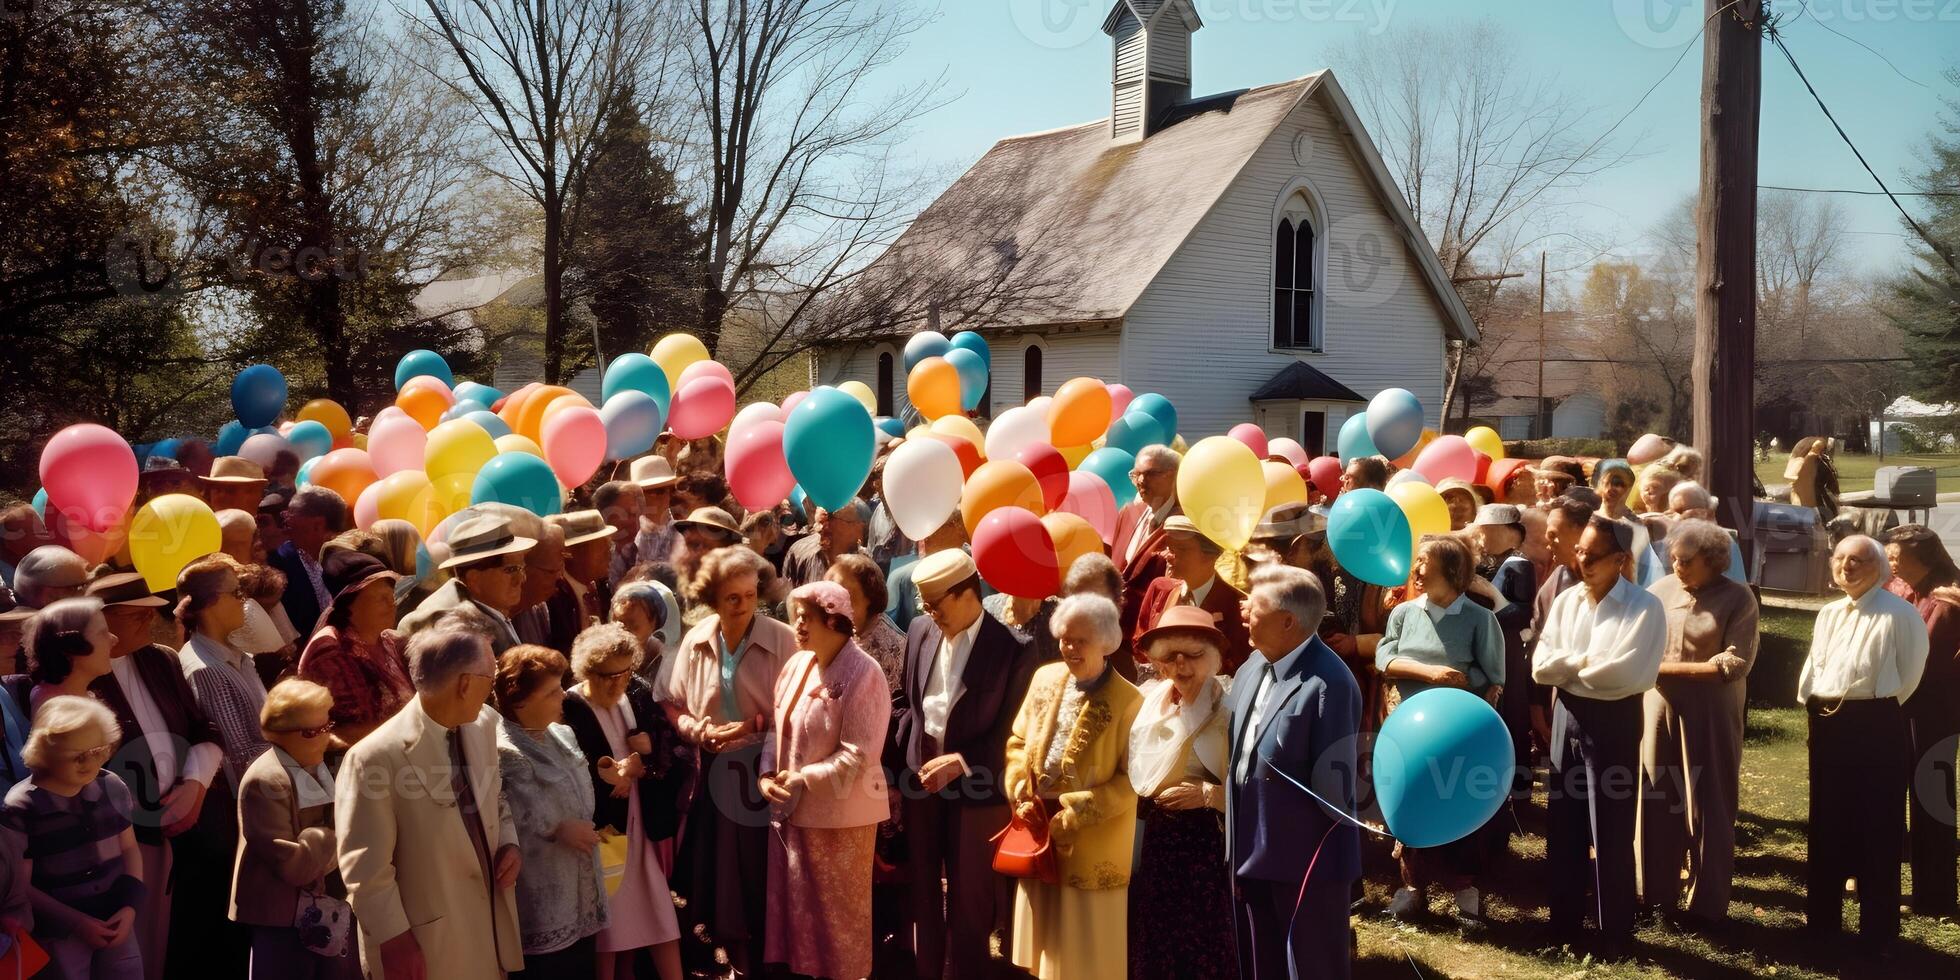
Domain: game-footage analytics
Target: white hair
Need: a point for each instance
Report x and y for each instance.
(1704, 539)
(1160, 453)
(1692, 494)
(1872, 549)
(1100, 614)
(64, 715)
(437, 656)
(1295, 590)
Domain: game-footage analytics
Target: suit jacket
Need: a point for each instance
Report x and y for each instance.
(1148, 567)
(996, 681)
(1222, 602)
(451, 596)
(405, 852)
(1309, 732)
(1093, 819)
(282, 847)
(670, 767)
(302, 605)
(183, 721)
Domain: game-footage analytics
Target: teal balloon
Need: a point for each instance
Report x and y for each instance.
(305, 475)
(490, 422)
(828, 442)
(310, 439)
(637, 372)
(520, 480)
(463, 408)
(41, 502)
(799, 501)
(1353, 441)
(891, 426)
(166, 448)
(632, 420)
(973, 376)
(470, 391)
(1394, 422)
(924, 344)
(417, 363)
(968, 340)
(231, 435)
(258, 395)
(1159, 408)
(1113, 465)
(1370, 536)
(1134, 431)
(1443, 765)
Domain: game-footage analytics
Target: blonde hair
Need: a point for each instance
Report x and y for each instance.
(64, 715)
(602, 644)
(722, 564)
(290, 698)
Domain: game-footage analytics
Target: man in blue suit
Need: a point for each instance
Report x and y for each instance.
(1295, 722)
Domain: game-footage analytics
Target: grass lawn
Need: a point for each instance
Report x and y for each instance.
(1855, 472)
(1765, 937)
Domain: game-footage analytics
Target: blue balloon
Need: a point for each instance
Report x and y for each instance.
(462, 409)
(799, 501)
(258, 395)
(891, 426)
(305, 475)
(1443, 765)
(973, 376)
(1353, 442)
(637, 372)
(1113, 466)
(310, 439)
(1159, 408)
(41, 502)
(926, 343)
(968, 340)
(633, 419)
(1134, 431)
(417, 363)
(520, 480)
(1370, 536)
(828, 443)
(481, 394)
(231, 435)
(167, 448)
(490, 422)
(1394, 422)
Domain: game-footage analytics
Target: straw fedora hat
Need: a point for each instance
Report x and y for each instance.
(483, 537)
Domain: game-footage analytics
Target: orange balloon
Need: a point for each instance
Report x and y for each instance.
(1080, 412)
(346, 472)
(1074, 537)
(558, 404)
(514, 403)
(934, 387)
(327, 412)
(996, 484)
(423, 404)
(530, 418)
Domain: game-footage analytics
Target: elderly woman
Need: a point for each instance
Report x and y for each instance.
(357, 655)
(86, 879)
(229, 690)
(1691, 750)
(286, 865)
(640, 608)
(870, 630)
(1442, 639)
(1653, 487)
(1613, 478)
(724, 678)
(1181, 896)
(561, 893)
(1068, 771)
(68, 647)
(826, 790)
(638, 770)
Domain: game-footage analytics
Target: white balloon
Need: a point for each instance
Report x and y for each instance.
(929, 471)
(1405, 476)
(754, 412)
(264, 449)
(1015, 429)
(1293, 451)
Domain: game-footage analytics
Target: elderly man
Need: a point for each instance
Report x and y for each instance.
(1137, 547)
(588, 555)
(657, 535)
(427, 847)
(1192, 561)
(1601, 647)
(20, 532)
(487, 568)
(1687, 501)
(48, 575)
(1365, 473)
(1691, 752)
(1867, 654)
(234, 483)
(1295, 723)
(315, 515)
(546, 614)
(965, 677)
(621, 502)
(839, 532)
(1923, 574)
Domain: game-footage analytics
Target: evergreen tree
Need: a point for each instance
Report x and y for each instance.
(1926, 298)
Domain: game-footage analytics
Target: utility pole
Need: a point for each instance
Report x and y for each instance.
(1544, 421)
(1725, 258)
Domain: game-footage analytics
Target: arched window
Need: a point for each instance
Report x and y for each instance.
(1030, 373)
(1294, 322)
(885, 384)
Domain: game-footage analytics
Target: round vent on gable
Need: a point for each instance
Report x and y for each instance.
(1303, 148)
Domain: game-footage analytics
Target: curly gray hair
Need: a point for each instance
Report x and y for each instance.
(1697, 538)
(603, 644)
(1100, 614)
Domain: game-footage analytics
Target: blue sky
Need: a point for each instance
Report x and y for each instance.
(1020, 66)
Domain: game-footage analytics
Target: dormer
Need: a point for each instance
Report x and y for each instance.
(1152, 65)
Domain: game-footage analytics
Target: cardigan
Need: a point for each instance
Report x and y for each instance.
(834, 735)
(696, 676)
(1465, 638)
(561, 893)
(671, 767)
(1094, 826)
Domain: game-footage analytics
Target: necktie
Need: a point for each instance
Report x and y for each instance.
(1249, 738)
(459, 783)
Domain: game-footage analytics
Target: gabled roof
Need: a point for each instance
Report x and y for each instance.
(1068, 226)
(1146, 9)
(1300, 381)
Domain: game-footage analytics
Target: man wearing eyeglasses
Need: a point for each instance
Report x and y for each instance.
(1137, 547)
(487, 565)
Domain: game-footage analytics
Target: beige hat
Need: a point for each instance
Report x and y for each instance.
(938, 572)
(483, 537)
(653, 473)
(1180, 524)
(1288, 521)
(235, 469)
(581, 526)
(710, 519)
(1457, 483)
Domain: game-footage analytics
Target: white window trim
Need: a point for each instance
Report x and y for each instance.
(1317, 214)
(899, 404)
(1021, 345)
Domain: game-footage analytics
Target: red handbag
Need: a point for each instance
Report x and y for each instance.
(1023, 851)
(24, 957)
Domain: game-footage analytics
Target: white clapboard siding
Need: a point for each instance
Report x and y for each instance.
(1200, 333)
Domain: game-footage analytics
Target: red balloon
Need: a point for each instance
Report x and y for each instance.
(90, 472)
(1253, 436)
(1050, 470)
(1015, 553)
(1483, 467)
(968, 453)
(1325, 474)
(758, 474)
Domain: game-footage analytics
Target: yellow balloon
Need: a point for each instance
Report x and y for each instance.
(1222, 488)
(452, 492)
(515, 443)
(327, 412)
(1283, 485)
(962, 427)
(1427, 511)
(863, 393)
(1074, 455)
(1485, 439)
(360, 440)
(458, 446)
(168, 533)
(674, 353)
(407, 495)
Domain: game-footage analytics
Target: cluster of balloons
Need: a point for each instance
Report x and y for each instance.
(946, 375)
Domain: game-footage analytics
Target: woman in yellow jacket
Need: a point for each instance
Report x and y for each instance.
(1067, 763)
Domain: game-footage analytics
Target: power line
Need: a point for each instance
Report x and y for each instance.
(1843, 190)
(1804, 8)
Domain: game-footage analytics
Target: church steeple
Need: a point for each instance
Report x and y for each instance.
(1152, 65)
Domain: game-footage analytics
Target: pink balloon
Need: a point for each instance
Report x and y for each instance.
(1252, 436)
(702, 407)
(1324, 472)
(387, 412)
(758, 474)
(1119, 400)
(752, 413)
(703, 369)
(90, 474)
(1291, 451)
(1089, 498)
(1050, 469)
(367, 509)
(396, 443)
(574, 444)
(790, 403)
(1448, 456)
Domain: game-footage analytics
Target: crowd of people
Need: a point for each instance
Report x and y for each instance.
(657, 736)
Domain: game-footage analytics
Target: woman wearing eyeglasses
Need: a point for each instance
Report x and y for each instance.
(286, 871)
(1181, 894)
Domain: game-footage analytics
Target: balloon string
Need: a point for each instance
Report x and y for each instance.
(1329, 807)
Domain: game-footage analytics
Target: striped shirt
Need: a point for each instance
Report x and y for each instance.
(73, 841)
